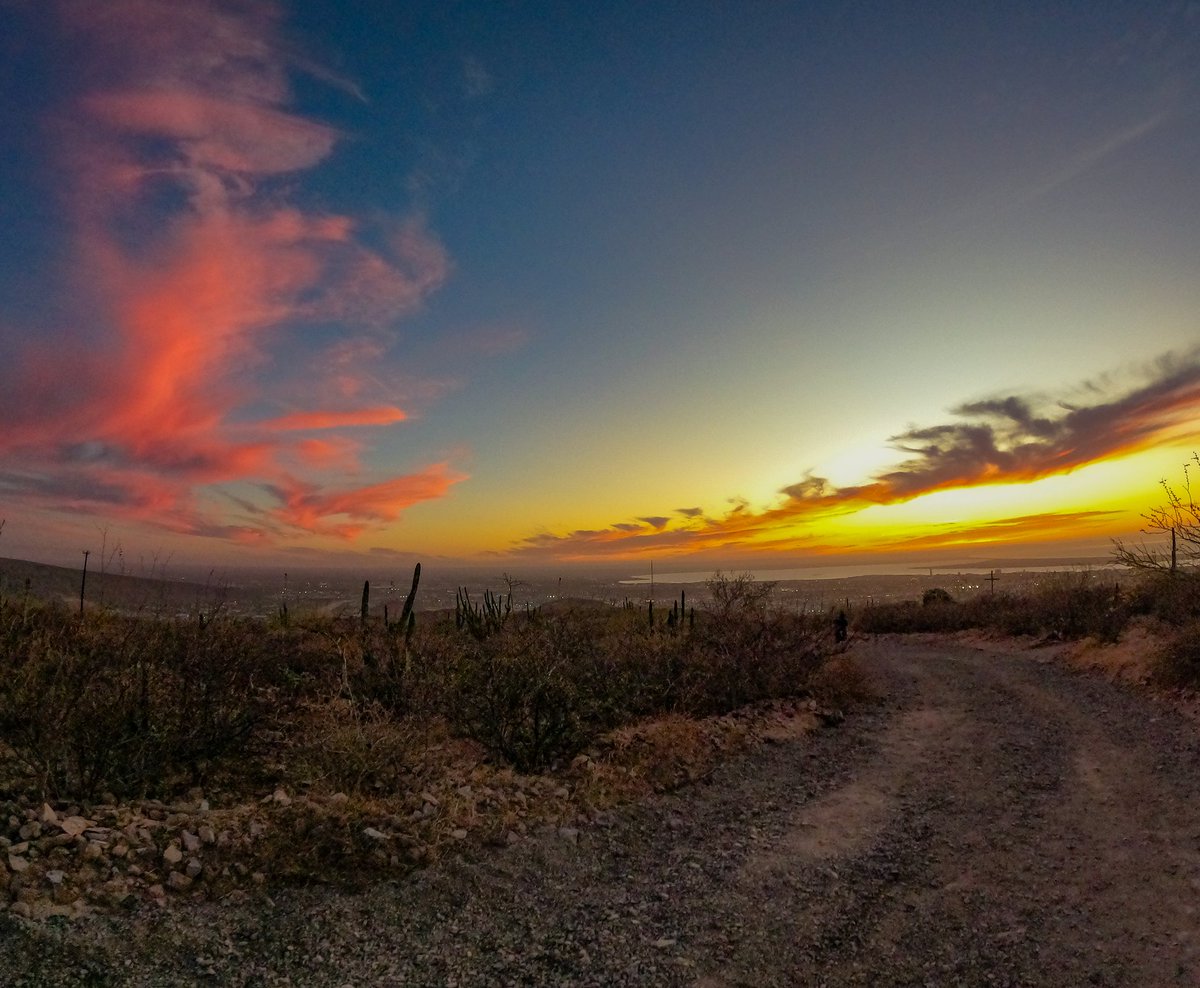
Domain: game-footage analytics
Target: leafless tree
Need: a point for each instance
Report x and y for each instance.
(1178, 519)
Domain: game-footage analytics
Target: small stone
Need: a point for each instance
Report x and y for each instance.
(191, 842)
(178, 881)
(120, 851)
(17, 863)
(281, 798)
(55, 876)
(75, 825)
(172, 855)
(48, 815)
(458, 834)
(207, 834)
(374, 834)
(23, 909)
(664, 943)
(339, 798)
(194, 868)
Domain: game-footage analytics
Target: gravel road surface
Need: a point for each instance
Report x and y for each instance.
(996, 820)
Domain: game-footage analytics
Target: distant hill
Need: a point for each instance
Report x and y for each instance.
(120, 590)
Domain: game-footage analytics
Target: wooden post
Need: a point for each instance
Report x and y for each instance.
(83, 582)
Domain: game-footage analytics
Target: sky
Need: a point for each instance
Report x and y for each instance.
(544, 284)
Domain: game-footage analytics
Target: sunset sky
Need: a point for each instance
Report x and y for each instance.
(752, 284)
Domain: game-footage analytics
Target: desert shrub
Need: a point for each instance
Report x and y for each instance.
(840, 682)
(129, 705)
(936, 595)
(1171, 597)
(520, 693)
(1178, 663)
(1072, 606)
(340, 744)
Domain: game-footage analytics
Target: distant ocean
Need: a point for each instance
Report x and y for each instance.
(873, 569)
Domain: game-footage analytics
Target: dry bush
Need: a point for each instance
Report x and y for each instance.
(841, 681)
(1070, 606)
(132, 706)
(1178, 664)
(342, 746)
(520, 693)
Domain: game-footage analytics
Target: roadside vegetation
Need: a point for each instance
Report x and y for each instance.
(208, 753)
(1159, 588)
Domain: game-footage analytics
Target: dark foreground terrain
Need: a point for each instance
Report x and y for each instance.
(996, 820)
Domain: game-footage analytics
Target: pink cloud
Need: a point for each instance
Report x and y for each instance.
(385, 415)
(187, 301)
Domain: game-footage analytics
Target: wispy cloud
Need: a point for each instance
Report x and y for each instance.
(196, 272)
(1007, 439)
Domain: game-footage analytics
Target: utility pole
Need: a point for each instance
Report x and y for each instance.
(992, 580)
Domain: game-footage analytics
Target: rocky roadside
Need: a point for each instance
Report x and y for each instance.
(72, 860)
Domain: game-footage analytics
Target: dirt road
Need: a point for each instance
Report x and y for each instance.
(996, 820)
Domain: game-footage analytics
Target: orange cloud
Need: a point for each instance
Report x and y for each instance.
(1007, 440)
(192, 280)
(345, 513)
(384, 415)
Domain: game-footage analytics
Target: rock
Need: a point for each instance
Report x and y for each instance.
(191, 842)
(75, 825)
(207, 835)
(281, 798)
(172, 855)
(93, 851)
(23, 909)
(664, 942)
(17, 864)
(48, 815)
(55, 876)
(30, 831)
(120, 851)
(374, 834)
(194, 868)
(339, 799)
(178, 881)
(458, 834)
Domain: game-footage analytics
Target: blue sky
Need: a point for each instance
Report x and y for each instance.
(551, 270)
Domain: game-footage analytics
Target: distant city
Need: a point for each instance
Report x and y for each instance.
(262, 592)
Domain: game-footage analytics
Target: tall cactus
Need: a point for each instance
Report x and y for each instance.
(366, 601)
(408, 619)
